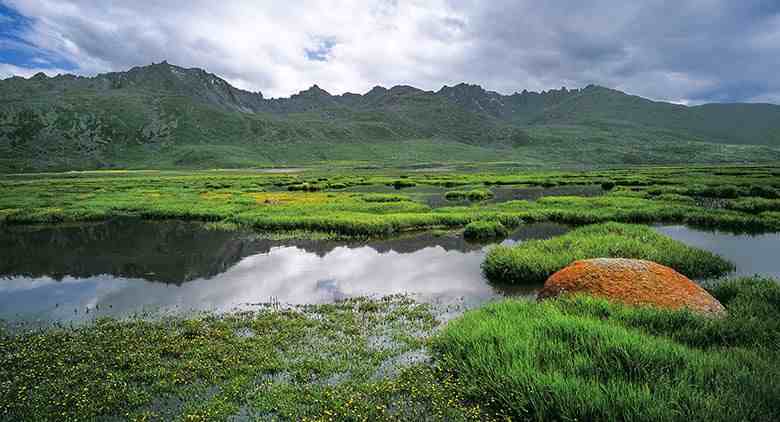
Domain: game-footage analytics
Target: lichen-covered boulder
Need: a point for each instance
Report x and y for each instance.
(633, 282)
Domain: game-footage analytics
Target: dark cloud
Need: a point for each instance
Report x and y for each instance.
(686, 50)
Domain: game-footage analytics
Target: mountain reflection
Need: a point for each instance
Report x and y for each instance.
(174, 251)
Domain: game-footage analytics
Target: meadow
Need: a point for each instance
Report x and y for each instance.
(572, 358)
(370, 202)
(394, 358)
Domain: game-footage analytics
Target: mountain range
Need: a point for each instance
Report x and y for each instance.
(166, 116)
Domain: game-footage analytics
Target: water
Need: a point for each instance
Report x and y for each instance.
(753, 254)
(125, 267)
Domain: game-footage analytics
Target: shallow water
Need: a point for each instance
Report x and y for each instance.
(753, 254)
(124, 267)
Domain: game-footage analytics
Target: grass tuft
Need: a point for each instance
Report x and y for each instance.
(534, 261)
(582, 358)
(485, 230)
(471, 195)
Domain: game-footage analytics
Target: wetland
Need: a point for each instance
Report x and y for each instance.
(308, 294)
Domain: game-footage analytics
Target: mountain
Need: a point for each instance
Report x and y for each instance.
(166, 116)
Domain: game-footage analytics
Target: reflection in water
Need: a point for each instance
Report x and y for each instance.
(752, 254)
(126, 266)
(506, 193)
(511, 193)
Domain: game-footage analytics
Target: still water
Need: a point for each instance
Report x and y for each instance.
(124, 267)
(753, 254)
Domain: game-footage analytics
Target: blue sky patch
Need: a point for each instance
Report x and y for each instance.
(322, 51)
(16, 50)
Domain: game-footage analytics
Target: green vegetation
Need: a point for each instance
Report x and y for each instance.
(568, 358)
(485, 230)
(534, 261)
(580, 358)
(361, 204)
(355, 360)
(471, 195)
(754, 205)
(164, 116)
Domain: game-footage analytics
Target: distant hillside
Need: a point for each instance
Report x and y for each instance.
(166, 116)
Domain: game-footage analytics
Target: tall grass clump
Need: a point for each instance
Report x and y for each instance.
(754, 205)
(485, 230)
(534, 261)
(583, 358)
(471, 195)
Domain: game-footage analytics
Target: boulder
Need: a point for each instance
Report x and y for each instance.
(633, 282)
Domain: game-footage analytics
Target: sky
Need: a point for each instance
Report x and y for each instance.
(685, 51)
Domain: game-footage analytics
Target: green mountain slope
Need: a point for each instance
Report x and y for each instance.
(166, 116)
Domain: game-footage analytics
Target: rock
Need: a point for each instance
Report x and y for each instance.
(633, 282)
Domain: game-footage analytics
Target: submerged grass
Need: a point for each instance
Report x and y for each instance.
(534, 261)
(581, 358)
(357, 360)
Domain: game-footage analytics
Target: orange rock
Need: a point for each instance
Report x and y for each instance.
(633, 282)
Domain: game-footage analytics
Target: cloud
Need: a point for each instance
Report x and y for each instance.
(686, 51)
(8, 70)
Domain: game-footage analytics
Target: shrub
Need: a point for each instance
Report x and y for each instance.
(608, 185)
(483, 230)
(535, 260)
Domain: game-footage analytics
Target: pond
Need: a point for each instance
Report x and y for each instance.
(124, 267)
(753, 254)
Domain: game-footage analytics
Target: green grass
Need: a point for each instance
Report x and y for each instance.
(485, 230)
(358, 203)
(534, 261)
(471, 195)
(152, 117)
(581, 358)
(340, 361)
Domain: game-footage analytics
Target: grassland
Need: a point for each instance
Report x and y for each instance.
(585, 359)
(534, 261)
(370, 202)
(571, 358)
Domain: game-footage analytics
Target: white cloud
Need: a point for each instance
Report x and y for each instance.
(698, 49)
(8, 70)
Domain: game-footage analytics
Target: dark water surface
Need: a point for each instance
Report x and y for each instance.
(124, 267)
